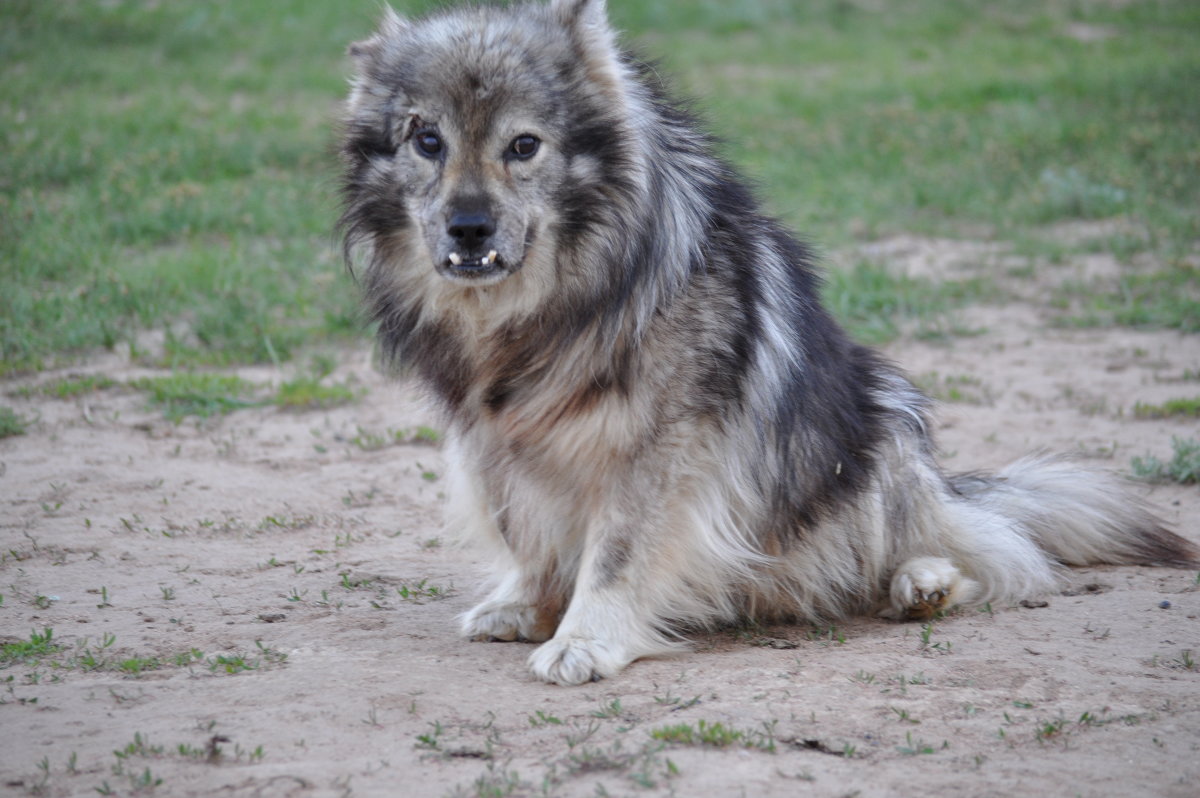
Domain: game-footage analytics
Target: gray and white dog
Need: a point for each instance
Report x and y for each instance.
(651, 419)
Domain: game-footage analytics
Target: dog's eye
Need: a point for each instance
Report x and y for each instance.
(524, 147)
(428, 143)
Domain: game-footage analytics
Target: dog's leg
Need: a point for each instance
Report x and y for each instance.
(519, 607)
(923, 586)
(510, 612)
(610, 620)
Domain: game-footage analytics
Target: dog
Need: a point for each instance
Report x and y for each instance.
(653, 425)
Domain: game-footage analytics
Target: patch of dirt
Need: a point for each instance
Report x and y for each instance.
(261, 604)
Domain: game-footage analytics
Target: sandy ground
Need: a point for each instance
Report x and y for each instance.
(262, 604)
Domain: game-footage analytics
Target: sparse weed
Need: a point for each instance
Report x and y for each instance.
(872, 301)
(196, 394)
(540, 718)
(1049, 730)
(828, 636)
(676, 702)
(370, 441)
(1183, 467)
(422, 591)
(73, 386)
(611, 709)
(185, 658)
(10, 423)
(430, 739)
(134, 666)
(643, 765)
(427, 435)
(942, 647)
(231, 663)
(902, 682)
(40, 645)
(913, 747)
(496, 782)
(355, 584)
(717, 735)
(234, 663)
(309, 392)
(1188, 408)
(955, 388)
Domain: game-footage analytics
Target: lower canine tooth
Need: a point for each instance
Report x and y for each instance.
(455, 259)
(491, 258)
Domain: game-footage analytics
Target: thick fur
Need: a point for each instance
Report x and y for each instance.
(652, 422)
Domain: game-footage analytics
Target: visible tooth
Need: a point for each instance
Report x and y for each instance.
(455, 258)
(491, 258)
(483, 261)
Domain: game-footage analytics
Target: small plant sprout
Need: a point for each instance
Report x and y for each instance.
(540, 718)
(422, 591)
(430, 739)
(610, 710)
(915, 747)
(717, 735)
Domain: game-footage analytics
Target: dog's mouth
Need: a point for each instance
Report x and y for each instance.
(480, 267)
(473, 268)
(473, 264)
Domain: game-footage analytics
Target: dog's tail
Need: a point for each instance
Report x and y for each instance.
(1072, 514)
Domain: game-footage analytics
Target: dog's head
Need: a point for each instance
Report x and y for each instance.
(478, 139)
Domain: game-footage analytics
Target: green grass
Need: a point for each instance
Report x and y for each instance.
(10, 423)
(203, 395)
(308, 392)
(1183, 467)
(39, 646)
(1187, 408)
(69, 387)
(167, 166)
(1169, 298)
(874, 303)
(716, 735)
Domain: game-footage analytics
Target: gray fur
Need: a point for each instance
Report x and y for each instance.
(653, 424)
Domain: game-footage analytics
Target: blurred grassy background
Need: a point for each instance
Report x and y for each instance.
(168, 165)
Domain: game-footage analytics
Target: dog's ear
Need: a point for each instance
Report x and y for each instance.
(587, 21)
(574, 13)
(391, 27)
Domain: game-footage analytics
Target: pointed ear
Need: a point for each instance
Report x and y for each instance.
(391, 27)
(577, 13)
(587, 21)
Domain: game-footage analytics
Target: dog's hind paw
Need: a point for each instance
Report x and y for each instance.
(575, 660)
(924, 586)
(493, 620)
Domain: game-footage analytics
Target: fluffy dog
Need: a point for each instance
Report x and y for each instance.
(651, 420)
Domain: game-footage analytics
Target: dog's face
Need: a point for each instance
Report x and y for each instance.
(473, 150)
(456, 132)
(464, 145)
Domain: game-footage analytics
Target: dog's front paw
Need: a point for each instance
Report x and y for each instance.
(925, 586)
(575, 660)
(494, 620)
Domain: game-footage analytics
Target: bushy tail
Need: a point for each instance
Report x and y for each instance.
(1076, 515)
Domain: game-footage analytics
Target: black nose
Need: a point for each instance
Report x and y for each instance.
(471, 229)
